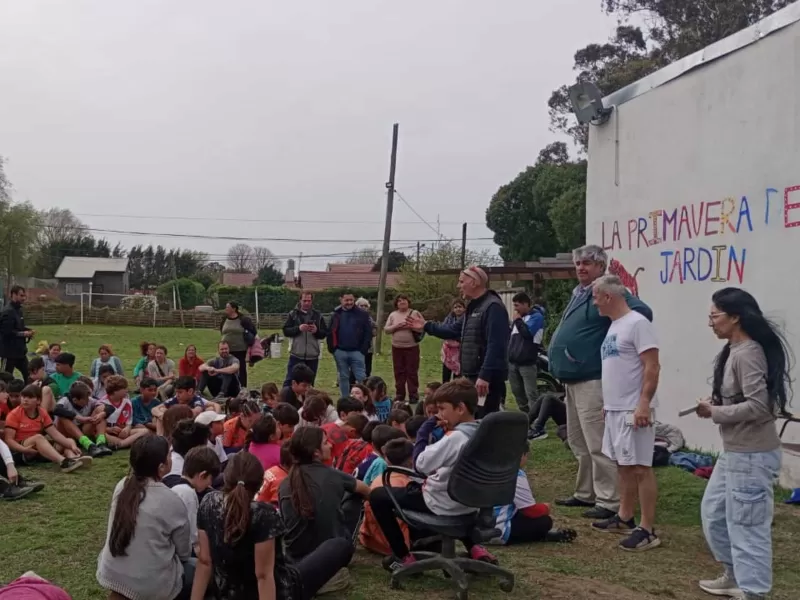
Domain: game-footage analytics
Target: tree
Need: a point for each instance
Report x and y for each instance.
(396, 260)
(18, 226)
(423, 287)
(48, 257)
(364, 256)
(269, 275)
(240, 258)
(520, 212)
(210, 273)
(263, 257)
(58, 225)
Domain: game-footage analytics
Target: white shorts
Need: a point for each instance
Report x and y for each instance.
(626, 445)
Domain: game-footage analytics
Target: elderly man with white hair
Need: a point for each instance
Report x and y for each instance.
(630, 378)
(483, 335)
(576, 360)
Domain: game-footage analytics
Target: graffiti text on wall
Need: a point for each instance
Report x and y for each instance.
(696, 255)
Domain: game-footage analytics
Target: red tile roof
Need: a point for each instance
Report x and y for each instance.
(238, 279)
(316, 281)
(347, 268)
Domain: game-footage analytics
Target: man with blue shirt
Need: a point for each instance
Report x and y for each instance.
(527, 330)
(349, 338)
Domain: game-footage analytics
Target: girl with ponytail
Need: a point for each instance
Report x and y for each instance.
(147, 551)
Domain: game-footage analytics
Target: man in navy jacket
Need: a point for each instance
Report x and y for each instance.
(484, 338)
(349, 338)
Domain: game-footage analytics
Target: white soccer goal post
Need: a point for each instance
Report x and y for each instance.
(132, 302)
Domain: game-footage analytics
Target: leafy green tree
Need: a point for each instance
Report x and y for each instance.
(48, 256)
(396, 260)
(269, 275)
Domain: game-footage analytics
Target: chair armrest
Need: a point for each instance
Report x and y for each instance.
(386, 485)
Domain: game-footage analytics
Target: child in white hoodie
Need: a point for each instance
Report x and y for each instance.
(457, 402)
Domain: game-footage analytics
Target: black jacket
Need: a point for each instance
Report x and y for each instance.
(13, 343)
(484, 337)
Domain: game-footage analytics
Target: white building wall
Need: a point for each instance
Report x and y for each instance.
(716, 151)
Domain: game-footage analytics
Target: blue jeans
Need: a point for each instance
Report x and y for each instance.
(346, 360)
(312, 363)
(737, 510)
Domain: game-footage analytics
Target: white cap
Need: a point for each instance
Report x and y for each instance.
(208, 417)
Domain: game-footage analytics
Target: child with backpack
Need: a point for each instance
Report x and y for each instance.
(381, 402)
(356, 450)
(274, 476)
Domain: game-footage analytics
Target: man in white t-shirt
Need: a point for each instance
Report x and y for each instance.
(630, 377)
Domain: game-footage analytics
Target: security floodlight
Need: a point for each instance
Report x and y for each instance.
(587, 103)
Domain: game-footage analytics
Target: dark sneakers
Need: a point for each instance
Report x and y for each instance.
(536, 435)
(598, 512)
(573, 502)
(68, 465)
(614, 524)
(561, 536)
(11, 492)
(98, 451)
(640, 540)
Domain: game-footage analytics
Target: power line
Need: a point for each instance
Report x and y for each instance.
(238, 220)
(431, 227)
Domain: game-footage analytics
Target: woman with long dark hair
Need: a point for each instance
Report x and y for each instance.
(147, 554)
(751, 386)
(240, 333)
(241, 544)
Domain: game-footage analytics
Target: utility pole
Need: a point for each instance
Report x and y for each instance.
(418, 245)
(387, 236)
(463, 246)
(176, 291)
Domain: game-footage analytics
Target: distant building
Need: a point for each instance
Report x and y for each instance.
(238, 279)
(339, 275)
(83, 274)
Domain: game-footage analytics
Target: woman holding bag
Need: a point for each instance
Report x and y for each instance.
(240, 333)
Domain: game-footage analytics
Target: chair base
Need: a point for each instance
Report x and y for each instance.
(456, 568)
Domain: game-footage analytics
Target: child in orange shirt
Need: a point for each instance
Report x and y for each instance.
(234, 434)
(274, 476)
(25, 431)
(398, 453)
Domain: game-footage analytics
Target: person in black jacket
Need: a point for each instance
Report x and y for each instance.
(525, 343)
(484, 338)
(305, 327)
(349, 338)
(14, 336)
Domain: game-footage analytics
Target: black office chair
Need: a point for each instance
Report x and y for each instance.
(485, 476)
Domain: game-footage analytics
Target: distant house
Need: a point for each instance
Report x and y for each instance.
(82, 274)
(238, 279)
(340, 275)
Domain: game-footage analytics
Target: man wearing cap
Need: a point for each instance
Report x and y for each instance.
(484, 338)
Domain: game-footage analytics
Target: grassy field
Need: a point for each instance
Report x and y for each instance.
(59, 532)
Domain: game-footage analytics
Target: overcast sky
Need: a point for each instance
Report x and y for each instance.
(280, 111)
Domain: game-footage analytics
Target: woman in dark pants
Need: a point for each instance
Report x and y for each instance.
(240, 332)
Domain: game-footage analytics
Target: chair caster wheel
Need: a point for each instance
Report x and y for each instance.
(395, 584)
(506, 586)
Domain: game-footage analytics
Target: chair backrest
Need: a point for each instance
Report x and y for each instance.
(485, 474)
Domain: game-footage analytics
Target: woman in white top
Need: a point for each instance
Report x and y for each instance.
(162, 369)
(147, 553)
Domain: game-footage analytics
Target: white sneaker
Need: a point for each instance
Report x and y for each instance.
(721, 586)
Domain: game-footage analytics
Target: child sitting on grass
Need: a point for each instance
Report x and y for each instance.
(525, 520)
(413, 425)
(235, 429)
(38, 376)
(214, 421)
(65, 374)
(311, 496)
(26, 427)
(380, 400)
(200, 467)
(380, 437)
(187, 435)
(144, 404)
(265, 442)
(302, 378)
(82, 418)
(314, 410)
(185, 394)
(347, 405)
(287, 417)
(358, 447)
(269, 396)
(147, 552)
(12, 485)
(398, 453)
(274, 476)
(398, 419)
(457, 402)
(428, 405)
(99, 382)
(119, 424)
(360, 392)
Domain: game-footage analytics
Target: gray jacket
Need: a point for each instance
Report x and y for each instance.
(305, 345)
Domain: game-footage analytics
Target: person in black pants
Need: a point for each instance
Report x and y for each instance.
(14, 336)
(484, 338)
(546, 406)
